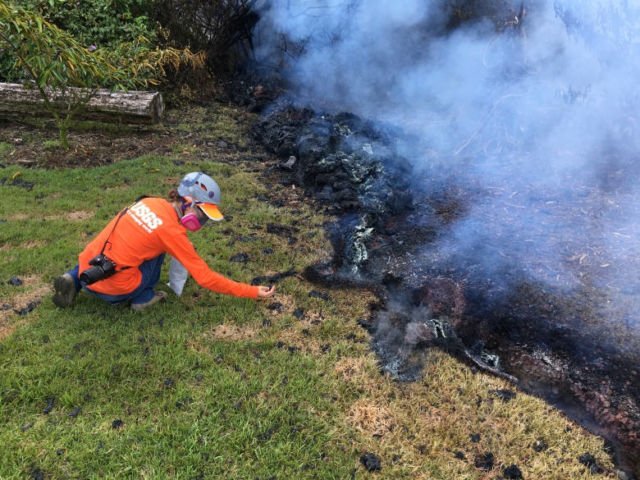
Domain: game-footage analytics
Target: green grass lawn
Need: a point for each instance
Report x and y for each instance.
(208, 386)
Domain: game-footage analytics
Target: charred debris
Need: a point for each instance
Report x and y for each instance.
(350, 166)
(385, 237)
(561, 331)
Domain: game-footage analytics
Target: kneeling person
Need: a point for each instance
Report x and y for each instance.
(124, 261)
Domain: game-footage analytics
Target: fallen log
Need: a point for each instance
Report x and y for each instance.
(125, 107)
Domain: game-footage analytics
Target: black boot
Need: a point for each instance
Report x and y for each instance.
(65, 290)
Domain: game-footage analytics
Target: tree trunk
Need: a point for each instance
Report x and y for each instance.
(105, 105)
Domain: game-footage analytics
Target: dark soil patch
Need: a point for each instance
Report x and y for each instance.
(95, 144)
(484, 461)
(239, 258)
(590, 462)
(49, 407)
(270, 279)
(540, 445)
(504, 395)
(512, 472)
(117, 423)
(92, 147)
(27, 308)
(17, 182)
(75, 412)
(276, 307)
(371, 462)
(321, 295)
(37, 474)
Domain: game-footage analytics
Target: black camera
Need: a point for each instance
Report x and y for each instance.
(101, 268)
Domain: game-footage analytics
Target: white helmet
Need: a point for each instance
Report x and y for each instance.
(204, 191)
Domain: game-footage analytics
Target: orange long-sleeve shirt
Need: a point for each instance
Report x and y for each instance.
(150, 228)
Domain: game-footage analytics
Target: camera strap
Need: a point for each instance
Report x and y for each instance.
(104, 246)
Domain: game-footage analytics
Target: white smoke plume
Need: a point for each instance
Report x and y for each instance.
(537, 104)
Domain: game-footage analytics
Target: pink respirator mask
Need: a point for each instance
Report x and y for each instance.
(191, 221)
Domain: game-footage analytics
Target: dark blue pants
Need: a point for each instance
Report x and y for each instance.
(143, 293)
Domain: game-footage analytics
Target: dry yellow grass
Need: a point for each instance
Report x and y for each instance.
(371, 419)
(75, 216)
(26, 245)
(418, 428)
(231, 333)
(32, 290)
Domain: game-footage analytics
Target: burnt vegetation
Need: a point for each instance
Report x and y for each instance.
(546, 327)
(550, 340)
(222, 29)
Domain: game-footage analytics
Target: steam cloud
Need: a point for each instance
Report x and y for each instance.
(539, 111)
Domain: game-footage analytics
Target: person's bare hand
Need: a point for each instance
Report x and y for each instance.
(265, 292)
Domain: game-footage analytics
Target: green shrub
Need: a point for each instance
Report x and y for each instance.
(66, 74)
(103, 23)
(222, 29)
